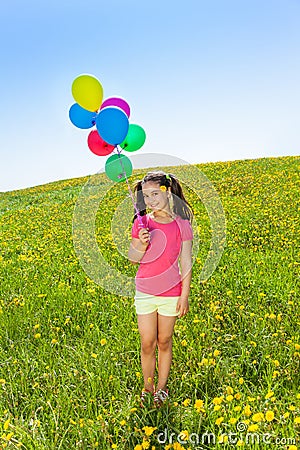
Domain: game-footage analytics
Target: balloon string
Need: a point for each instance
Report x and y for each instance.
(141, 225)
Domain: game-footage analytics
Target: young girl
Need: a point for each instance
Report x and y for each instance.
(162, 290)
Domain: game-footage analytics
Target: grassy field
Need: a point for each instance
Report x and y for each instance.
(70, 374)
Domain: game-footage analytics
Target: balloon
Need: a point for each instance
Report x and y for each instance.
(135, 138)
(112, 125)
(118, 167)
(117, 101)
(87, 92)
(82, 118)
(97, 145)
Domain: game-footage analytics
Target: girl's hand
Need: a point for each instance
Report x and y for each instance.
(144, 236)
(182, 307)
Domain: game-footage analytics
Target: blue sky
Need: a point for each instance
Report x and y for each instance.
(207, 80)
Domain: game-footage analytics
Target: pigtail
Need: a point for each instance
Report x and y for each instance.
(181, 206)
(140, 204)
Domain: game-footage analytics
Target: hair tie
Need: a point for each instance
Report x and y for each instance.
(168, 177)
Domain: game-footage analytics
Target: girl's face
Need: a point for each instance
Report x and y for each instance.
(155, 198)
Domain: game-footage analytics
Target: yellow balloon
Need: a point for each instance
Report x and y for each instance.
(87, 92)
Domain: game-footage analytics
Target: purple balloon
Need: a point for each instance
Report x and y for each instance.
(118, 102)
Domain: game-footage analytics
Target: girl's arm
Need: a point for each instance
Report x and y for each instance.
(138, 246)
(186, 276)
(186, 268)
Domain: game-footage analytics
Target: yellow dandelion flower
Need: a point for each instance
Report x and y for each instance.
(94, 355)
(184, 435)
(199, 403)
(2, 381)
(6, 424)
(8, 436)
(138, 447)
(233, 420)
(184, 343)
(217, 407)
(292, 447)
(241, 380)
(122, 422)
(269, 416)
(297, 347)
(269, 394)
(297, 420)
(216, 353)
(253, 427)
(218, 400)
(229, 398)
(186, 402)
(145, 444)
(258, 417)
(240, 443)
(219, 420)
(37, 335)
(149, 430)
(103, 342)
(223, 439)
(177, 446)
(247, 410)
(237, 396)
(229, 390)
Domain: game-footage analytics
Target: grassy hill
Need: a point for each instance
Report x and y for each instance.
(70, 373)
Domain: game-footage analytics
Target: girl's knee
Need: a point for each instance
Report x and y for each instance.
(148, 346)
(164, 342)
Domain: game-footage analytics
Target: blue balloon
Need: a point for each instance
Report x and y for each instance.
(82, 118)
(112, 125)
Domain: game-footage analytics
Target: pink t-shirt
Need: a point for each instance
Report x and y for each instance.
(158, 273)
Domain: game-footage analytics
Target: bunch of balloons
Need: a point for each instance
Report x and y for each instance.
(111, 119)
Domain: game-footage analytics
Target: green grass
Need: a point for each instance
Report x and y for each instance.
(70, 374)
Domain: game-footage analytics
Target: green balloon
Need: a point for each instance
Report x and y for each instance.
(135, 138)
(118, 168)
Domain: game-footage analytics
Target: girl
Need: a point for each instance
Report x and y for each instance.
(162, 291)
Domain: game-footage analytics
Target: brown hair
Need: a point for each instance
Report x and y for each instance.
(181, 207)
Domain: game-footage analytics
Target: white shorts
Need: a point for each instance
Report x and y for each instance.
(148, 303)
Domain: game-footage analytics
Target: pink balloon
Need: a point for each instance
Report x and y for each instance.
(97, 145)
(118, 102)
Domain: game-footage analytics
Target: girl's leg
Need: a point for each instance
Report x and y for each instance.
(147, 324)
(164, 341)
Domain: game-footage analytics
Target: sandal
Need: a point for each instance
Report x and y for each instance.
(160, 397)
(145, 396)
